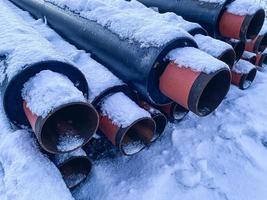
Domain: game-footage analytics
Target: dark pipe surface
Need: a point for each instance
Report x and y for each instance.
(127, 62)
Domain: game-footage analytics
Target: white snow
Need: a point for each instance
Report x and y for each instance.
(61, 158)
(68, 143)
(219, 157)
(263, 29)
(211, 46)
(243, 67)
(74, 179)
(195, 59)
(214, 1)
(42, 96)
(25, 43)
(248, 55)
(122, 110)
(148, 30)
(243, 7)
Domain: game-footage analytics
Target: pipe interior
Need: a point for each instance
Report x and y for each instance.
(214, 92)
(263, 43)
(253, 60)
(138, 136)
(249, 79)
(255, 24)
(75, 171)
(264, 60)
(161, 123)
(179, 112)
(228, 57)
(69, 128)
(239, 49)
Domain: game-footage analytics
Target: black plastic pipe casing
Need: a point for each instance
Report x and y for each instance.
(207, 14)
(139, 67)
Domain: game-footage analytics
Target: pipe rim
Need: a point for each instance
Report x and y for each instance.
(122, 132)
(239, 48)
(161, 122)
(247, 79)
(200, 101)
(178, 112)
(263, 43)
(45, 123)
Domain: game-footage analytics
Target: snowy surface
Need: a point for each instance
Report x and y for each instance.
(195, 59)
(25, 43)
(243, 7)
(248, 55)
(263, 29)
(42, 96)
(122, 110)
(211, 46)
(214, 1)
(61, 158)
(128, 25)
(219, 157)
(243, 67)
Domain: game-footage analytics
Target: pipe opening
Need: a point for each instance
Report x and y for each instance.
(228, 57)
(161, 123)
(264, 60)
(248, 79)
(137, 136)
(69, 127)
(179, 112)
(239, 48)
(255, 24)
(75, 170)
(214, 93)
(263, 43)
(253, 60)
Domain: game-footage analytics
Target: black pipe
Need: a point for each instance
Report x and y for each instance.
(124, 58)
(207, 14)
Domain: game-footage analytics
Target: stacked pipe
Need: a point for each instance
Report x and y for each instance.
(43, 90)
(202, 92)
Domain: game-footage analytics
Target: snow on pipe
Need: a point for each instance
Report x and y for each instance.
(239, 47)
(174, 112)
(195, 80)
(26, 55)
(241, 20)
(132, 134)
(74, 166)
(159, 118)
(243, 74)
(217, 48)
(251, 57)
(58, 113)
(261, 59)
(127, 62)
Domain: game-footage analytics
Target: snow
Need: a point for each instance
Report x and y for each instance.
(122, 110)
(248, 55)
(211, 46)
(42, 96)
(74, 179)
(26, 43)
(243, 67)
(130, 26)
(68, 142)
(263, 29)
(195, 59)
(219, 157)
(214, 1)
(243, 7)
(61, 158)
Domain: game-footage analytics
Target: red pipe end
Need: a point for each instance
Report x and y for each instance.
(132, 139)
(241, 27)
(66, 128)
(244, 81)
(258, 44)
(199, 92)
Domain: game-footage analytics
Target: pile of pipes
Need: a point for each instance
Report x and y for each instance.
(147, 66)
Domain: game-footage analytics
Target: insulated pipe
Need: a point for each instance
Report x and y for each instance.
(129, 136)
(261, 59)
(258, 44)
(251, 57)
(23, 57)
(218, 49)
(243, 74)
(174, 112)
(59, 115)
(198, 91)
(74, 166)
(206, 13)
(239, 47)
(236, 22)
(128, 61)
(159, 118)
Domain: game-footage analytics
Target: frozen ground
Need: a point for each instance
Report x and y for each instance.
(219, 157)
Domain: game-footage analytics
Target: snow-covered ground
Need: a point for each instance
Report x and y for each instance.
(219, 157)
